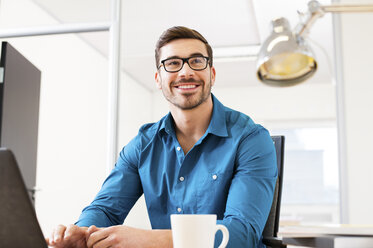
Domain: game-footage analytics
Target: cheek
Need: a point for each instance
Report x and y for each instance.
(163, 83)
(167, 80)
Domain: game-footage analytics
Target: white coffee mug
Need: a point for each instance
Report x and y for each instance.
(196, 231)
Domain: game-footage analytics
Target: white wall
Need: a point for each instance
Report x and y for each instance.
(73, 115)
(356, 39)
(72, 122)
(72, 125)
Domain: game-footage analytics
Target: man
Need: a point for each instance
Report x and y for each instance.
(200, 158)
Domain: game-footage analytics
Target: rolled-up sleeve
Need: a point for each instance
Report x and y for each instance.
(118, 194)
(251, 192)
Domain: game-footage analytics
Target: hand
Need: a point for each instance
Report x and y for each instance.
(71, 236)
(115, 236)
(129, 237)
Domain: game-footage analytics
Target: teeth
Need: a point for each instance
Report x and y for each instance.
(186, 86)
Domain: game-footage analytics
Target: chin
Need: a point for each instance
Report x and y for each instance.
(187, 105)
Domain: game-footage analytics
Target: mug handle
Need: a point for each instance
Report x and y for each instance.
(225, 232)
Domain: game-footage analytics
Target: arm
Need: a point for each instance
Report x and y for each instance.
(124, 236)
(251, 191)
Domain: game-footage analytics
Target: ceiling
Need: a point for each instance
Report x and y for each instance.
(235, 30)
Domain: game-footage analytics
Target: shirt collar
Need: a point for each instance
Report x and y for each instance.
(217, 126)
(167, 124)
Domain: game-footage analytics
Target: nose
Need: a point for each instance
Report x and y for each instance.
(186, 70)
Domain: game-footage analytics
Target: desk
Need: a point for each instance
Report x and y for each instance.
(328, 236)
(331, 241)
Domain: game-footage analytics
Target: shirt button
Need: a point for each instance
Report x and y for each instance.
(179, 210)
(181, 179)
(214, 177)
(178, 148)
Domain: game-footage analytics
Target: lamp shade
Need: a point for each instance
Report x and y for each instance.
(284, 58)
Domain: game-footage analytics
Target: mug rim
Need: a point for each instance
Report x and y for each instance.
(193, 215)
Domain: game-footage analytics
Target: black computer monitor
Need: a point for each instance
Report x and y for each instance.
(19, 226)
(19, 110)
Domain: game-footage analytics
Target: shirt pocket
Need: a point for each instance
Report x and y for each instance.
(212, 192)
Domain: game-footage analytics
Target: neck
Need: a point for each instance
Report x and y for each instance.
(191, 124)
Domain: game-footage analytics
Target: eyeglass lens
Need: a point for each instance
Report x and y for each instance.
(196, 63)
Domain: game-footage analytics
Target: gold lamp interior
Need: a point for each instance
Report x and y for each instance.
(286, 69)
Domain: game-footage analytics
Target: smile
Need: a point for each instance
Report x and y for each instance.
(189, 86)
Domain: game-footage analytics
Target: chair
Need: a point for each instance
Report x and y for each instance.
(270, 238)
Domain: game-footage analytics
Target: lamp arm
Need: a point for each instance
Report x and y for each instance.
(316, 10)
(338, 8)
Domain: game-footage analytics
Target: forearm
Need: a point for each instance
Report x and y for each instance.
(160, 239)
(94, 216)
(240, 235)
(149, 238)
(125, 236)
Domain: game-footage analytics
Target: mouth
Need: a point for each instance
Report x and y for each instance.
(186, 86)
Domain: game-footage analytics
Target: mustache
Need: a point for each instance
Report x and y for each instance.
(184, 80)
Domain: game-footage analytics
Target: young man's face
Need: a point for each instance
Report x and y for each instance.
(187, 88)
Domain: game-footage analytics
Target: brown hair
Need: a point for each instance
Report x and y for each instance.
(180, 32)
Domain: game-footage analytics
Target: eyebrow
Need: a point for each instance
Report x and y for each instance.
(178, 57)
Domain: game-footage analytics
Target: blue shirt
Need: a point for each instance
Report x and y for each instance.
(231, 172)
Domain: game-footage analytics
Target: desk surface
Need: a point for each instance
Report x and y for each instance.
(331, 242)
(328, 236)
(317, 230)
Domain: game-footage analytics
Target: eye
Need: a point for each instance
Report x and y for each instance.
(172, 62)
(196, 60)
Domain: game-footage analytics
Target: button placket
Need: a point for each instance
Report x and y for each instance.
(180, 154)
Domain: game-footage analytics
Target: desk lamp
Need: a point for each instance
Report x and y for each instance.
(285, 59)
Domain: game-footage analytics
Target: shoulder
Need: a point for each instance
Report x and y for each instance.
(149, 131)
(132, 151)
(240, 123)
(245, 132)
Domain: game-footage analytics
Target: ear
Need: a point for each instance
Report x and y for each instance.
(158, 79)
(212, 75)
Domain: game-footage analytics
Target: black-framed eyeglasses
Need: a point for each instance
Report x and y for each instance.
(197, 63)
